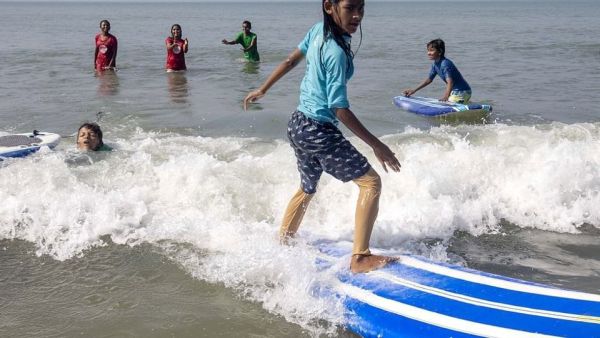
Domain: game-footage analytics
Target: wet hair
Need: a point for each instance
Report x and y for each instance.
(331, 29)
(94, 127)
(247, 23)
(107, 22)
(439, 45)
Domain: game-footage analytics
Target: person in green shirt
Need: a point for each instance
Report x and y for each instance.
(248, 41)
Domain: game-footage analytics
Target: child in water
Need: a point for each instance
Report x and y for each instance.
(248, 41)
(457, 89)
(89, 137)
(313, 133)
(105, 55)
(176, 49)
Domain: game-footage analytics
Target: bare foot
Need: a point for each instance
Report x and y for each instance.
(366, 263)
(287, 239)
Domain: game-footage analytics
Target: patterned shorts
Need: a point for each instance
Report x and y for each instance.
(320, 146)
(460, 96)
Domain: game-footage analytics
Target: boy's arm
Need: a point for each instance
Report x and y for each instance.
(449, 85)
(225, 42)
(252, 44)
(382, 152)
(425, 83)
(283, 68)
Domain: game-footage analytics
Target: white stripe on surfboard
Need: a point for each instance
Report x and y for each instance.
(481, 302)
(488, 281)
(500, 283)
(433, 318)
(485, 303)
(423, 101)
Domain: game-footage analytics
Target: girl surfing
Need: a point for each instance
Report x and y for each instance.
(313, 133)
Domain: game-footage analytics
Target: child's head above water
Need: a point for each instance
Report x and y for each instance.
(438, 45)
(89, 137)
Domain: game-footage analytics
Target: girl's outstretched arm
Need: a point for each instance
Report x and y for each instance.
(283, 68)
(382, 152)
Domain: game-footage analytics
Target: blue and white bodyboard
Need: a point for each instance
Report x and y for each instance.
(20, 145)
(433, 107)
(415, 297)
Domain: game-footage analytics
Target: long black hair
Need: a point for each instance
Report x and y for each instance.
(107, 23)
(331, 29)
(178, 26)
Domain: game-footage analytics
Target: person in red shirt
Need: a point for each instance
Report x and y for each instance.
(176, 49)
(105, 55)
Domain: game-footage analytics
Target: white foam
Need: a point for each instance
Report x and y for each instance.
(215, 204)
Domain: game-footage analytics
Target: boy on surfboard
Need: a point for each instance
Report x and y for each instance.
(457, 89)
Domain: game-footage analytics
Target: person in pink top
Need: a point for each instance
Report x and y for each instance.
(105, 55)
(176, 49)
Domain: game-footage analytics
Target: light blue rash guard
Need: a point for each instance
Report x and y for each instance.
(446, 69)
(327, 71)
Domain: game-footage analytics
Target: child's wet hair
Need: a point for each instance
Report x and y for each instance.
(95, 128)
(103, 21)
(330, 28)
(439, 45)
(247, 23)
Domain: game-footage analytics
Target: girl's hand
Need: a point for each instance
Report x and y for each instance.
(408, 92)
(252, 97)
(385, 156)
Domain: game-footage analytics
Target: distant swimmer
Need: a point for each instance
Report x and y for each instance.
(248, 41)
(318, 143)
(89, 137)
(176, 49)
(457, 89)
(105, 55)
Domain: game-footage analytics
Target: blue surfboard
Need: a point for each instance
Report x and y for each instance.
(20, 145)
(433, 107)
(415, 297)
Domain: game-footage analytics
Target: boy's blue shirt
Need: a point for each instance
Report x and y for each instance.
(328, 70)
(445, 68)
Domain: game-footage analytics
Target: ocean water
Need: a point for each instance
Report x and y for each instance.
(175, 232)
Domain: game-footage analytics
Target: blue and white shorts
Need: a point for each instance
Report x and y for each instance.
(320, 146)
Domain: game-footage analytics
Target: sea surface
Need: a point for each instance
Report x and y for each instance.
(174, 234)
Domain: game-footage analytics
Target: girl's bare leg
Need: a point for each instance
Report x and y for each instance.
(367, 208)
(294, 214)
